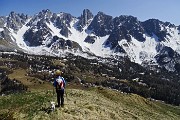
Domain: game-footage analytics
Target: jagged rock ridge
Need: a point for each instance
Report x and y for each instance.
(100, 34)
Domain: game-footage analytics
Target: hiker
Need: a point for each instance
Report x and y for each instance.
(59, 84)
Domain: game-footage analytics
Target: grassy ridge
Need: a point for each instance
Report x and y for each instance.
(93, 103)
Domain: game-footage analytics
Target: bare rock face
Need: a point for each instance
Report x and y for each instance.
(16, 21)
(84, 19)
(102, 24)
(59, 31)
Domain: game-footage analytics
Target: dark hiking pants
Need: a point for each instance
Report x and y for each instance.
(60, 97)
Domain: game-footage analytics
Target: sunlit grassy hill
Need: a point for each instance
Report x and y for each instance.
(85, 104)
(28, 92)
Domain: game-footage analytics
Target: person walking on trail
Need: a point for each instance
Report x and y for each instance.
(59, 84)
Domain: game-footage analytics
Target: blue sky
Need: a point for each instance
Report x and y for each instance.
(165, 10)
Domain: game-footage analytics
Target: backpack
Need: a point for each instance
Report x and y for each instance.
(60, 83)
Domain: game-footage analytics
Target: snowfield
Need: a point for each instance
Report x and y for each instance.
(137, 51)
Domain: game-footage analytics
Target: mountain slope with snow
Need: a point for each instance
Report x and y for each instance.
(99, 35)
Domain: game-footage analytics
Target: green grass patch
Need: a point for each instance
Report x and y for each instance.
(92, 103)
(26, 103)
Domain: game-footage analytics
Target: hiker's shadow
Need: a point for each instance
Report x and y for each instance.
(47, 110)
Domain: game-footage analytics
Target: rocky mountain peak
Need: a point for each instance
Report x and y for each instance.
(12, 14)
(2, 21)
(84, 19)
(168, 24)
(39, 27)
(125, 27)
(45, 14)
(157, 27)
(123, 34)
(132, 26)
(16, 21)
(102, 24)
(125, 20)
(64, 20)
(46, 11)
(179, 27)
(100, 13)
(87, 14)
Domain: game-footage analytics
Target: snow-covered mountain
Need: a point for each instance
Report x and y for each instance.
(150, 42)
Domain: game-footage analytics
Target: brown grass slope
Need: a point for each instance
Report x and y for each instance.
(91, 104)
(94, 103)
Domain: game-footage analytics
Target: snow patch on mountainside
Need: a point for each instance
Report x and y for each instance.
(18, 36)
(173, 40)
(137, 51)
(147, 50)
(40, 50)
(1, 29)
(76, 35)
(140, 51)
(96, 48)
(55, 31)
